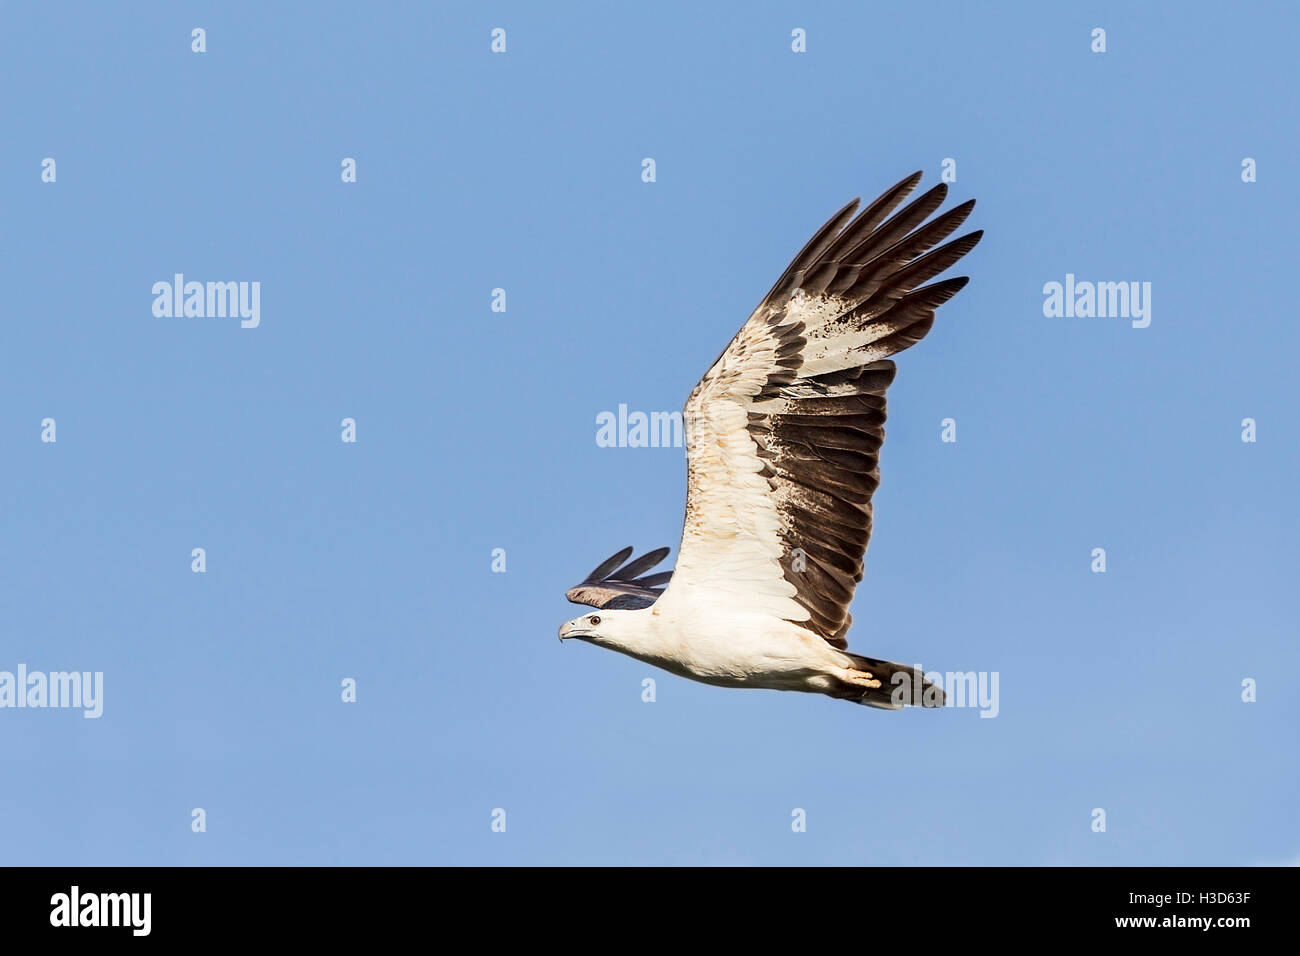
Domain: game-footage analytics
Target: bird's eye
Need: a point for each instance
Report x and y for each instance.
(595, 620)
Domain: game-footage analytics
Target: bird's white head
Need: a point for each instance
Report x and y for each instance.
(608, 628)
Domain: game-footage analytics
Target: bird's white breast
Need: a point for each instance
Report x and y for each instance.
(705, 641)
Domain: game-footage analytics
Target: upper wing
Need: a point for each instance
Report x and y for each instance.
(784, 431)
(611, 586)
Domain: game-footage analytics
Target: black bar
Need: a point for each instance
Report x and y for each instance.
(856, 907)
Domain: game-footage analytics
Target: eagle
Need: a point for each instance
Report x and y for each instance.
(783, 437)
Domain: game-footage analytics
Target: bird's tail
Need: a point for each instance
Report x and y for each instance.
(901, 685)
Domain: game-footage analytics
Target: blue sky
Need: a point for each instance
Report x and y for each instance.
(476, 430)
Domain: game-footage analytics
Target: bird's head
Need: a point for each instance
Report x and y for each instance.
(605, 626)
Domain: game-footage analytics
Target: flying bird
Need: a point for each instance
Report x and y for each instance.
(783, 437)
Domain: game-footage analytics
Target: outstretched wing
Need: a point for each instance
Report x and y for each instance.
(784, 431)
(625, 587)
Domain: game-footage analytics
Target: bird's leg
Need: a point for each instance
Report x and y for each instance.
(859, 678)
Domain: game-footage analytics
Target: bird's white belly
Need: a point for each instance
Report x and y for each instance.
(743, 651)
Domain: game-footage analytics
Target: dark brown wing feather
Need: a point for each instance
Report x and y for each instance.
(613, 584)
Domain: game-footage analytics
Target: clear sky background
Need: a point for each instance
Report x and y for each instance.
(476, 429)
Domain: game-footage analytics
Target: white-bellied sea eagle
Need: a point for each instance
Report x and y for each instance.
(783, 435)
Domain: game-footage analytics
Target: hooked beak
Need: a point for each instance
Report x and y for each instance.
(573, 630)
